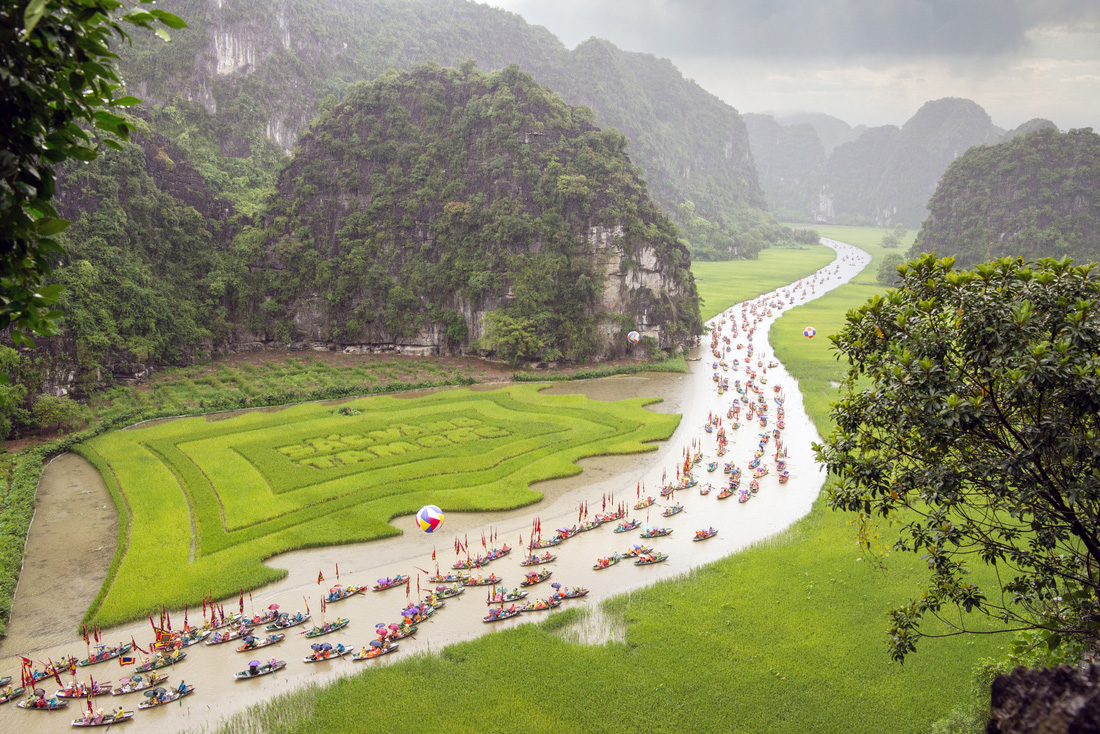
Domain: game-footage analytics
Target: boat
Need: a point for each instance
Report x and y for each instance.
(674, 510)
(626, 527)
(103, 719)
(657, 532)
(232, 619)
(754, 486)
(727, 492)
(414, 614)
(15, 693)
(499, 615)
(285, 621)
(101, 655)
(712, 465)
(136, 683)
(255, 643)
(667, 491)
(220, 637)
(471, 563)
(760, 472)
(256, 671)
(534, 560)
(566, 533)
(744, 496)
(705, 489)
(192, 637)
(637, 550)
(328, 627)
(374, 652)
(644, 503)
(339, 593)
(504, 596)
(160, 662)
(575, 593)
(450, 578)
(447, 592)
(491, 580)
(322, 652)
(607, 562)
(784, 476)
(649, 560)
(704, 534)
(403, 631)
(164, 697)
(388, 583)
(540, 544)
(76, 689)
(541, 605)
(536, 578)
(589, 525)
(48, 704)
(495, 553)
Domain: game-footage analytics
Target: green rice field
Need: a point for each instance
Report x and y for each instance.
(788, 636)
(264, 482)
(724, 283)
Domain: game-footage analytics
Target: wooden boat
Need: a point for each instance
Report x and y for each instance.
(31, 704)
(575, 593)
(566, 533)
(637, 550)
(260, 670)
(744, 496)
(495, 553)
(504, 596)
(674, 510)
(402, 632)
(103, 719)
(538, 560)
(760, 472)
(451, 578)
(536, 578)
(102, 655)
(589, 525)
(449, 592)
(704, 534)
(754, 486)
(80, 690)
(374, 652)
(339, 593)
(644, 503)
(136, 683)
(285, 621)
(151, 702)
(657, 532)
(330, 627)
(161, 662)
(330, 654)
(712, 465)
(541, 605)
(258, 643)
(471, 563)
(220, 637)
(651, 559)
(626, 527)
(607, 562)
(388, 583)
(492, 580)
(229, 621)
(422, 614)
(784, 476)
(16, 693)
(61, 666)
(727, 492)
(498, 615)
(705, 489)
(667, 491)
(192, 637)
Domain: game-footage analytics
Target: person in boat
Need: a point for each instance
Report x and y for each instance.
(182, 687)
(119, 714)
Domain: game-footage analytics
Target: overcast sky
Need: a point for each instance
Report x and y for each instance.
(865, 61)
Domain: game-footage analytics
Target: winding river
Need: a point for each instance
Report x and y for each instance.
(57, 587)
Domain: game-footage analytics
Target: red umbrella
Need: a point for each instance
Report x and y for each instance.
(272, 606)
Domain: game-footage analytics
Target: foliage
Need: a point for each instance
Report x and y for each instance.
(1031, 197)
(669, 364)
(722, 283)
(888, 268)
(263, 483)
(62, 412)
(895, 237)
(59, 79)
(511, 338)
(968, 418)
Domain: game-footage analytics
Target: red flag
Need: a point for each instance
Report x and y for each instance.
(186, 626)
(418, 585)
(241, 602)
(337, 571)
(320, 578)
(433, 552)
(84, 632)
(168, 616)
(408, 588)
(97, 631)
(307, 604)
(418, 568)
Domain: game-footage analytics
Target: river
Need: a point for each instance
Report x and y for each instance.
(55, 589)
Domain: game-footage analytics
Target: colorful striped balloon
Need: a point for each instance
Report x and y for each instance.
(429, 517)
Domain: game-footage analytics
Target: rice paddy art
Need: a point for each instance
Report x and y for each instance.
(208, 500)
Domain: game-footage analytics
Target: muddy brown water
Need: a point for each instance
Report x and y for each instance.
(72, 540)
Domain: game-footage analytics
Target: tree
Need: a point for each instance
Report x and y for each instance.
(51, 410)
(512, 338)
(888, 269)
(895, 237)
(970, 419)
(58, 85)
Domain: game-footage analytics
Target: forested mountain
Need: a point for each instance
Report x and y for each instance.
(248, 73)
(832, 131)
(1033, 196)
(884, 177)
(428, 200)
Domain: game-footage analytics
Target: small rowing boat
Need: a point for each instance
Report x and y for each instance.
(541, 605)
(160, 662)
(607, 562)
(256, 671)
(704, 534)
(77, 689)
(16, 693)
(656, 532)
(388, 583)
(649, 560)
(221, 637)
(536, 578)
(674, 510)
(504, 596)
(328, 627)
(285, 621)
(161, 697)
(450, 578)
(322, 652)
(136, 683)
(644, 503)
(102, 654)
(339, 593)
(534, 560)
(575, 593)
(374, 652)
(626, 527)
(103, 719)
(499, 615)
(255, 643)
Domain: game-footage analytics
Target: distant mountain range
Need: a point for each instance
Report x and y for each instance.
(817, 168)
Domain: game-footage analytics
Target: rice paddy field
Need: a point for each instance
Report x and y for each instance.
(211, 498)
(724, 283)
(788, 636)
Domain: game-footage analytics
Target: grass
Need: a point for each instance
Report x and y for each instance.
(785, 637)
(722, 284)
(263, 483)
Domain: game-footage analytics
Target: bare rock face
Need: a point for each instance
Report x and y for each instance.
(1061, 700)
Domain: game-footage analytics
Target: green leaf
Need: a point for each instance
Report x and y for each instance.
(168, 19)
(33, 14)
(47, 227)
(125, 102)
(163, 34)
